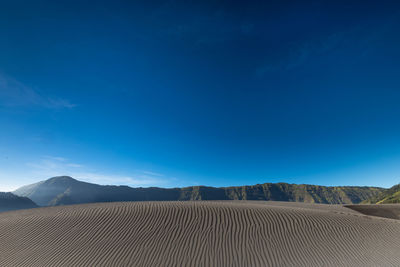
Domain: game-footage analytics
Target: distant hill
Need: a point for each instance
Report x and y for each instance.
(391, 195)
(64, 190)
(9, 201)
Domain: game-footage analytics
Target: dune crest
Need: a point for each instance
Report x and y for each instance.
(215, 233)
(391, 211)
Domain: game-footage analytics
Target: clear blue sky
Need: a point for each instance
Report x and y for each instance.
(213, 93)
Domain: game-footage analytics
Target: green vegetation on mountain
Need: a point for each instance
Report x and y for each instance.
(65, 190)
(388, 196)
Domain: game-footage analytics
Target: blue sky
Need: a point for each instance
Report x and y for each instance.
(210, 93)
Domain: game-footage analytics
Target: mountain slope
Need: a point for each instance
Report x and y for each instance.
(64, 190)
(9, 201)
(391, 195)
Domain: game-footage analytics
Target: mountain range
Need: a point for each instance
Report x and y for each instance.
(389, 196)
(9, 201)
(64, 190)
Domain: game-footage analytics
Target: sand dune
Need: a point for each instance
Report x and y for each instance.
(384, 210)
(197, 234)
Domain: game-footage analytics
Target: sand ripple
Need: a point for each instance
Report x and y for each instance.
(197, 234)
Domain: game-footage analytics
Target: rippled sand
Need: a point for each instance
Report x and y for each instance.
(221, 233)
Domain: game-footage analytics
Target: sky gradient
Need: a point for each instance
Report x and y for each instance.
(209, 93)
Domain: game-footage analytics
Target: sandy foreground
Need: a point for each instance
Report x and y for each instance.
(221, 233)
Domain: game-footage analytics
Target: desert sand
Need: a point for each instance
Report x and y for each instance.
(385, 210)
(242, 233)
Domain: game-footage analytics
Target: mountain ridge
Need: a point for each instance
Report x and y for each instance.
(10, 201)
(64, 190)
(389, 196)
